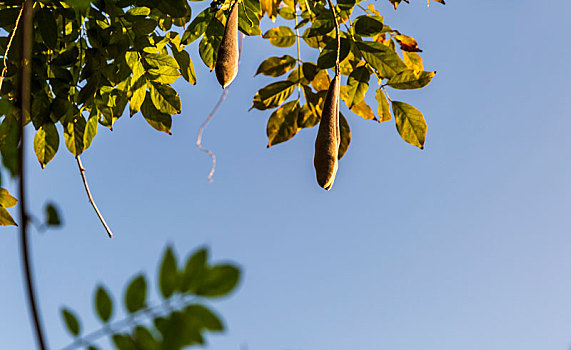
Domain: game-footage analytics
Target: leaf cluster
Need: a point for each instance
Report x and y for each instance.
(180, 320)
(369, 49)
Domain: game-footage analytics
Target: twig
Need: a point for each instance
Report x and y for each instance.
(332, 8)
(88, 191)
(25, 100)
(5, 60)
(112, 328)
(211, 115)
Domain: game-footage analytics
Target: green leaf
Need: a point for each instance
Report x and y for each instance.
(282, 124)
(165, 98)
(275, 66)
(168, 275)
(48, 27)
(103, 304)
(273, 95)
(6, 199)
(157, 119)
(90, 131)
(384, 106)
(74, 130)
(144, 339)
(410, 123)
(124, 342)
(139, 11)
(186, 66)
(208, 47)
(165, 69)
(411, 79)
(381, 58)
(345, 133)
(328, 56)
(280, 36)
(177, 331)
(248, 20)
(197, 27)
(5, 218)
(203, 316)
(194, 271)
(136, 294)
(71, 322)
(361, 109)
(52, 215)
(139, 90)
(357, 85)
(218, 281)
(367, 25)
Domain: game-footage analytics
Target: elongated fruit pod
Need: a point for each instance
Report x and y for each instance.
(328, 138)
(228, 53)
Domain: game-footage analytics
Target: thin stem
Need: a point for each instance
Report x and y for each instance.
(112, 328)
(5, 60)
(211, 115)
(298, 56)
(88, 191)
(332, 8)
(25, 100)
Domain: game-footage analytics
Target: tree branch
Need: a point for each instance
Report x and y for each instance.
(88, 191)
(25, 103)
(211, 115)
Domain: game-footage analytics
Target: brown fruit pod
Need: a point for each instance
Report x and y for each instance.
(228, 53)
(328, 138)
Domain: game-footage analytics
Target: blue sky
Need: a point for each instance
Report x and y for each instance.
(461, 246)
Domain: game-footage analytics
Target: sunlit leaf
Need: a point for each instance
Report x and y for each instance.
(74, 131)
(384, 106)
(273, 95)
(410, 79)
(5, 218)
(357, 85)
(281, 36)
(165, 98)
(276, 66)
(382, 58)
(282, 124)
(410, 123)
(367, 25)
(6, 199)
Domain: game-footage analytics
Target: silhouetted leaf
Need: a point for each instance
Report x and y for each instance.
(194, 271)
(136, 294)
(219, 280)
(52, 215)
(103, 304)
(71, 322)
(168, 275)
